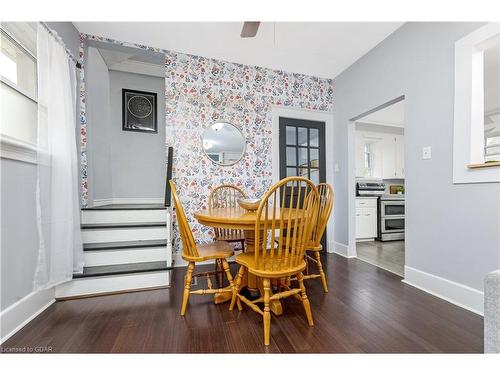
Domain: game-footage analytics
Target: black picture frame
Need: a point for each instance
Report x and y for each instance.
(146, 122)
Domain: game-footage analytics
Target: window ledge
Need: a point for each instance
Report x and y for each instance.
(15, 149)
(484, 165)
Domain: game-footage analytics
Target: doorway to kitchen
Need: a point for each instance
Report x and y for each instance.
(379, 187)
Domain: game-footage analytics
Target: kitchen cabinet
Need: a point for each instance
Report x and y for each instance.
(400, 156)
(360, 154)
(366, 218)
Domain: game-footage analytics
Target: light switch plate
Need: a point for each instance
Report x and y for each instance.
(336, 168)
(426, 152)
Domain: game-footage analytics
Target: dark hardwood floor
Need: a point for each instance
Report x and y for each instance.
(368, 310)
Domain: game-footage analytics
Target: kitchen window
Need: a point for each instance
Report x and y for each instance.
(18, 91)
(476, 138)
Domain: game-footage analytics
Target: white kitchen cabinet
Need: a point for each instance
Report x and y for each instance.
(366, 218)
(400, 156)
(360, 154)
(389, 155)
(393, 156)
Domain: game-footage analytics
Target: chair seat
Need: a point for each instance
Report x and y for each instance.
(214, 250)
(272, 268)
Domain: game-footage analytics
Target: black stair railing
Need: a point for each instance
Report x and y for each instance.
(168, 194)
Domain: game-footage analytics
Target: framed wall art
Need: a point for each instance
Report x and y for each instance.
(139, 111)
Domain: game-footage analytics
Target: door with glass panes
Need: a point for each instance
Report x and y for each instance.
(302, 150)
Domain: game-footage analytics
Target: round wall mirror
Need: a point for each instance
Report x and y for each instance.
(223, 143)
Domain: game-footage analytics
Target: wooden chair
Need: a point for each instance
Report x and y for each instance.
(325, 193)
(193, 253)
(226, 196)
(289, 207)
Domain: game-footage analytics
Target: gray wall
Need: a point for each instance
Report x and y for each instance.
(121, 164)
(138, 158)
(98, 128)
(452, 230)
(19, 237)
(69, 35)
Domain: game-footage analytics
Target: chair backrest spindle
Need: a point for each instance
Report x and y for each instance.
(290, 207)
(226, 196)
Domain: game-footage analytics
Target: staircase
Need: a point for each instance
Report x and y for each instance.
(126, 248)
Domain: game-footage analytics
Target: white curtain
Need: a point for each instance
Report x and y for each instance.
(60, 251)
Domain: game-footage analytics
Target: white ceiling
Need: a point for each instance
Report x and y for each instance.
(313, 48)
(393, 115)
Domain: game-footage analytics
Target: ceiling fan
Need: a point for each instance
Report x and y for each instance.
(249, 29)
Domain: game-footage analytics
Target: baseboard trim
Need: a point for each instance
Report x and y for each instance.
(458, 294)
(17, 315)
(342, 249)
(106, 201)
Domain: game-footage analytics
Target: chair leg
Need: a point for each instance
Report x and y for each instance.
(305, 301)
(267, 311)
(236, 289)
(321, 272)
(218, 273)
(187, 287)
(225, 267)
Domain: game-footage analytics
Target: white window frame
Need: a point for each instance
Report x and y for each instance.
(468, 131)
(10, 147)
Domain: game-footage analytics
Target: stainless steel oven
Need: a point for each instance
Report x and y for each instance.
(391, 215)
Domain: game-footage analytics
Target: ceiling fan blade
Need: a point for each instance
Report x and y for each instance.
(249, 29)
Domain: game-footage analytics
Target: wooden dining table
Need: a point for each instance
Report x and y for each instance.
(238, 218)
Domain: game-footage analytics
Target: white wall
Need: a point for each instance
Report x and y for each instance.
(452, 230)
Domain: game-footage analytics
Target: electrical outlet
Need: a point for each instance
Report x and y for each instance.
(426, 152)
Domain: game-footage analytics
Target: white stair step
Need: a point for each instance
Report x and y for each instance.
(98, 216)
(125, 232)
(89, 286)
(119, 256)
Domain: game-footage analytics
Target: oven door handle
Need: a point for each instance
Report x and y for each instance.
(393, 217)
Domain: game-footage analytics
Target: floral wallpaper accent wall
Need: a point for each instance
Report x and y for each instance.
(200, 91)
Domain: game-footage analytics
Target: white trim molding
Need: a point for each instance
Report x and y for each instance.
(451, 291)
(15, 149)
(17, 315)
(304, 114)
(344, 250)
(107, 201)
(468, 127)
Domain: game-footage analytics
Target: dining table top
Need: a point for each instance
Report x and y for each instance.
(239, 218)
